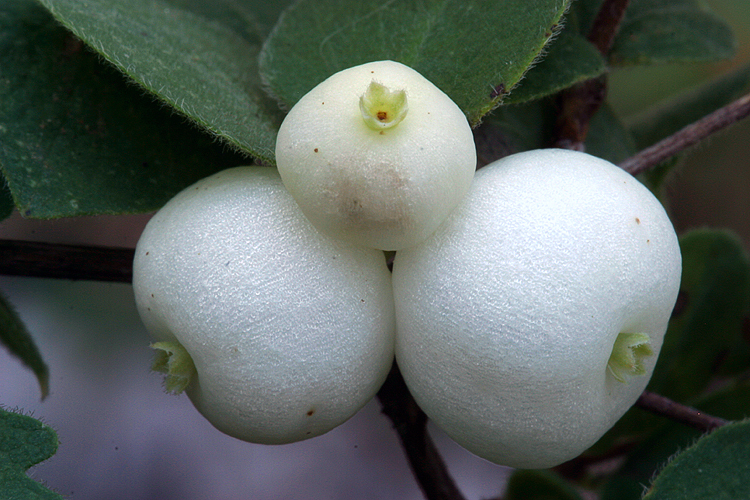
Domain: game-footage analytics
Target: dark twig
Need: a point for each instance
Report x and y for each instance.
(606, 24)
(410, 423)
(684, 414)
(578, 104)
(688, 136)
(46, 260)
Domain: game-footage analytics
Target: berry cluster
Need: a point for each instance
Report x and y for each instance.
(526, 306)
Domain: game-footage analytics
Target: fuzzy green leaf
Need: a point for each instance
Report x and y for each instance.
(539, 485)
(608, 137)
(715, 467)
(200, 67)
(732, 403)
(474, 51)
(570, 59)
(75, 138)
(705, 332)
(660, 31)
(16, 338)
(24, 442)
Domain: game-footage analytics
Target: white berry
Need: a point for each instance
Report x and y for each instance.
(532, 319)
(289, 332)
(376, 155)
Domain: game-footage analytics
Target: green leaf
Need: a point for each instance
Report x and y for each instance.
(660, 31)
(24, 442)
(251, 19)
(628, 482)
(17, 339)
(608, 137)
(539, 485)
(475, 51)
(672, 115)
(570, 59)
(198, 66)
(715, 467)
(705, 333)
(516, 128)
(76, 139)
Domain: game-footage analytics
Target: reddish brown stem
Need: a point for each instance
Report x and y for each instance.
(606, 24)
(688, 136)
(410, 424)
(46, 260)
(578, 104)
(684, 414)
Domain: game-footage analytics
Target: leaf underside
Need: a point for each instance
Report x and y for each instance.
(91, 143)
(24, 442)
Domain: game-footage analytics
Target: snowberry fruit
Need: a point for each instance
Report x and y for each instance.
(276, 332)
(531, 320)
(376, 155)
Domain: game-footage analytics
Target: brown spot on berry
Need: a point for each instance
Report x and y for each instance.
(382, 116)
(316, 150)
(637, 220)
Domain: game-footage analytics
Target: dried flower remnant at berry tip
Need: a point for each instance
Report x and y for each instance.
(628, 353)
(382, 108)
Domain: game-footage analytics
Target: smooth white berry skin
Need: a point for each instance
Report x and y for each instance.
(507, 315)
(291, 332)
(382, 188)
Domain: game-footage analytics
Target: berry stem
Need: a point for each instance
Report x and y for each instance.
(688, 136)
(48, 260)
(687, 415)
(410, 424)
(578, 104)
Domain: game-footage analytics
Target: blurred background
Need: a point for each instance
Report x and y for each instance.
(122, 437)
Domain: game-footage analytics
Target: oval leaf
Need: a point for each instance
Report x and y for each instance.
(705, 332)
(641, 463)
(475, 51)
(75, 138)
(15, 336)
(715, 467)
(200, 67)
(24, 442)
(660, 31)
(571, 59)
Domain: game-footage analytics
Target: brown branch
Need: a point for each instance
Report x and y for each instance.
(410, 424)
(578, 104)
(606, 24)
(684, 414)
(46, 260)
(688, 136)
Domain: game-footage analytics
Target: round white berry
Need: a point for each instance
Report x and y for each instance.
(376, 155)
(277, 332)
(532, 319)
